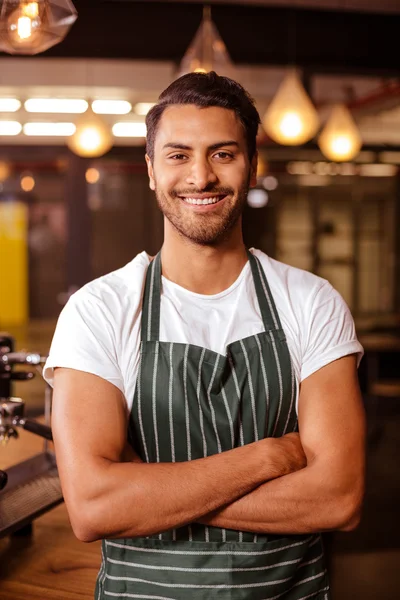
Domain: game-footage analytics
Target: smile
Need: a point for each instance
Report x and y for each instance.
(203, 201)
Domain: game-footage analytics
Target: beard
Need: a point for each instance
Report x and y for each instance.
(204, 229)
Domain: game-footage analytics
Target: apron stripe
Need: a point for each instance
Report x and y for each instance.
(253, 402)
(291, 403)
(170, 389)
(198, 400)
(201, 586)
(228, 412)
(278, 367)
(211, 405)
(249, 552)
(187, 419)
(235, 379)
(265, 379)
(207, 570)
(154, 396)
(139, 407)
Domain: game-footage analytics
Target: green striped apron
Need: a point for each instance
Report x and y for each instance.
(191, 402)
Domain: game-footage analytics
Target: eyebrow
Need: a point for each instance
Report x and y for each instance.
(179, 146)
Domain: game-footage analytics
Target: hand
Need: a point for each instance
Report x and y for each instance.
(288, 453)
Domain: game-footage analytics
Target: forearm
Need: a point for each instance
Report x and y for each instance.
(129, 500)
(302, 502)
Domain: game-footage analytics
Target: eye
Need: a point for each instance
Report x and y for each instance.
(177, 157)
(223, 155)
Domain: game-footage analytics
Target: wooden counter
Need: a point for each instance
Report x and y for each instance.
(52, 564)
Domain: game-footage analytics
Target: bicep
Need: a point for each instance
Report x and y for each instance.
(332, 421)
(89, 423)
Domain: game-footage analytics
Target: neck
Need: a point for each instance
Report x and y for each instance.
(203, 269)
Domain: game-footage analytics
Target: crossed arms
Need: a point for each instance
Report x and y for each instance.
(295, 484)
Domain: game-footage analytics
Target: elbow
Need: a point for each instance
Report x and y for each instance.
(351, 510)
(84, 524)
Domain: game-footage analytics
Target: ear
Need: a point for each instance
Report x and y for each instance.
(253, 171)
(150, 171)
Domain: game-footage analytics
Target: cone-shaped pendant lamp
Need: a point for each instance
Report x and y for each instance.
(340, 139)
(92, 137)
(207, 51)
(28, 27)
(291, 118)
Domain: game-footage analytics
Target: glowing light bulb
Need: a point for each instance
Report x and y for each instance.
(24, 23)
(27, 183)
(24, 28)
(92, 175)
(291, 118)
(29, 27)
(340, 139)
(92, 137)
(291, 125)
(341, 145)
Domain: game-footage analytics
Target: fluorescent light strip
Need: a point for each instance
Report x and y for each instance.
(49, 129)
(378, 170)
(111, 107)
(9, 104)
(56, 105)
(136, 130)
(10, 128)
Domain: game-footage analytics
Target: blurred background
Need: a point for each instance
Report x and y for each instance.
(76, 81)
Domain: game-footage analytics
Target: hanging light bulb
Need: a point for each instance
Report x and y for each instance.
(92, 137)
(207, 51)
(291, 118)
(340, 139)
(31, 27)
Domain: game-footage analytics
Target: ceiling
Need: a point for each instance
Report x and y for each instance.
(377, 6)
(319, 40)
(130, 50)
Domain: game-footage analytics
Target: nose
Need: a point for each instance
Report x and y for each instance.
(201, 174)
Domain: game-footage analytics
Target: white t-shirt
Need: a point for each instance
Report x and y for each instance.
(98, 330)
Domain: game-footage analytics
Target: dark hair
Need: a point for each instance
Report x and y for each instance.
(204, 90)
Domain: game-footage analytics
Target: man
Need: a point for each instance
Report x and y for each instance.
(177, 391)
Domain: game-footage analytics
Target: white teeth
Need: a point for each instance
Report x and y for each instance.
(201, 200)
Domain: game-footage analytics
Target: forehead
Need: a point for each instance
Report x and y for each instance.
(197, 127)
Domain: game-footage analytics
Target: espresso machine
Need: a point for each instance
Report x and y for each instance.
(32, 487)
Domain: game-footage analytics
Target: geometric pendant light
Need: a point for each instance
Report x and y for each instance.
(92, 137)
(207, 51)
(291, 118)
(31, 27)
(340, 139)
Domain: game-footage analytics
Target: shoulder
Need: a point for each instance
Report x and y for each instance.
(112, 292)
(291, 285)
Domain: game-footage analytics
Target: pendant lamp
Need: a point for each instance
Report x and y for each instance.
(92, 137)
(207, 51)
(33, 27)
(340, 139)
(291, 118)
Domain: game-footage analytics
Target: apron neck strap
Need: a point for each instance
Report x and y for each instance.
(150, 330)
(266, 302)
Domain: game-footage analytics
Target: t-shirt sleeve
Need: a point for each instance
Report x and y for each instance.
(84, 340)
(329, 331)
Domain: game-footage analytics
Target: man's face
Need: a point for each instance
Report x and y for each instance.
(201, 171)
